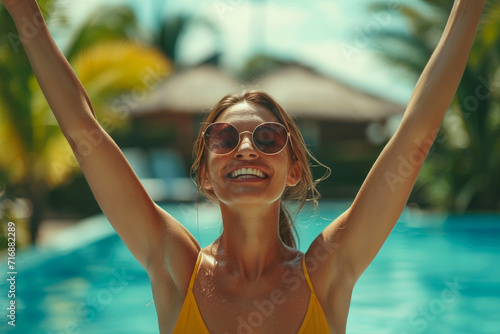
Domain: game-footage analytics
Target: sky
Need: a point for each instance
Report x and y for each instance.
(333, 37)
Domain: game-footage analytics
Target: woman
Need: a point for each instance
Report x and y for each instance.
(249, 154)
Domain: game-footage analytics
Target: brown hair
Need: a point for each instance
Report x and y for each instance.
(304, 191)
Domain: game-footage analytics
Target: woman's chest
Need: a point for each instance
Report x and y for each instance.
(229, 306)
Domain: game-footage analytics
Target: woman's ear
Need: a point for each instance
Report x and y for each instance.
(294, 175)
(206, 183)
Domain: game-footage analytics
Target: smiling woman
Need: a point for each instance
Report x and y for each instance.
(223, 138)
(249, 159)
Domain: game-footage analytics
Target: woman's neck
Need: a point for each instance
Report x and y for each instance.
(250, 244)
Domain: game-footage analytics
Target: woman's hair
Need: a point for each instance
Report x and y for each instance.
(304, 191)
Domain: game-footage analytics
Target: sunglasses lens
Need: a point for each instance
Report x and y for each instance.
(270, 138)
(221, 138)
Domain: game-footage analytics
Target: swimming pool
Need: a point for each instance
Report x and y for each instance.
(435, 274)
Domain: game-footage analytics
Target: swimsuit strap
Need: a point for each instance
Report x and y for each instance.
(306, 274)
(195, 271)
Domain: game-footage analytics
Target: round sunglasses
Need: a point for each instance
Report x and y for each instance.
(223, 138)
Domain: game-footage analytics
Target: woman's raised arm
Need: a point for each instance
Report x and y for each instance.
(152, 235)
(356, 236)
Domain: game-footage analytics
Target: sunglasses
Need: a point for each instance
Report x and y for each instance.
(223, 138)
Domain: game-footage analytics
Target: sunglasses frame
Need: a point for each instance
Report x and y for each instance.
(288, 138)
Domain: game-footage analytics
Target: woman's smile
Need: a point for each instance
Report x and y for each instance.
(246, 173)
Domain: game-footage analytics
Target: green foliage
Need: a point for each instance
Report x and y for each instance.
(461, 171)
(260, 64)
(169, 34)
(106, 24)
(34, 155)
(170, 31)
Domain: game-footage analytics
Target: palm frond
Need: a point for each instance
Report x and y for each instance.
(106, 23)
(492, 11)
(108, 71)
(470, 179)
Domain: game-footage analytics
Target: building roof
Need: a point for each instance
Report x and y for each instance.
(190, 91)
(306, 94)
(302, 92)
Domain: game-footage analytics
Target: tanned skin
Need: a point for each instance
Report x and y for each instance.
(249, 260)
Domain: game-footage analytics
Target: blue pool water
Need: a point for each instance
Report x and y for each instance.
(435, 274)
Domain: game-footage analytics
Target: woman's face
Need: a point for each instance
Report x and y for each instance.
(277, 169)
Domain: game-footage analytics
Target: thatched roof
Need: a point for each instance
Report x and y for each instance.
(189, 91)
(306, 94)
(302, 92)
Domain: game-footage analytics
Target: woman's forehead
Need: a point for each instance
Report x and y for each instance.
(246, 113)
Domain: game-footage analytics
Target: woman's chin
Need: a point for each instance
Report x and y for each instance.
(249, 197)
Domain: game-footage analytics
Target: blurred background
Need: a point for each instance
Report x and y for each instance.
(153, 68)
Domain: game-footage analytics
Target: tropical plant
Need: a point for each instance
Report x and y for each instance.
(105, 24)
(260, 64)
(461, 172)
(171, 31)
(115, 70)
(16, 128)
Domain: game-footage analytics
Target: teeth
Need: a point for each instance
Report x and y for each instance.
(247, 172)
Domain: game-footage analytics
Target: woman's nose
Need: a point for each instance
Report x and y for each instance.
(246, 148)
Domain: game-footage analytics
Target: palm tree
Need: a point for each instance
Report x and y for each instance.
(115, 70)
(171, 30)
(461, 173)
(16, 128)
(97, 27)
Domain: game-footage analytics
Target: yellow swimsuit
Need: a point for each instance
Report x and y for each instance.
(191, 322)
